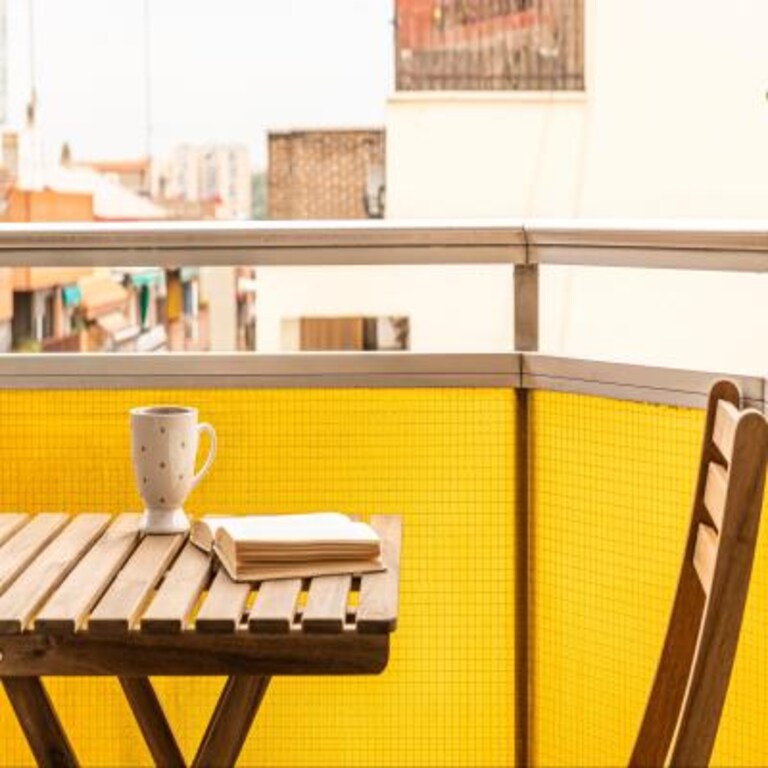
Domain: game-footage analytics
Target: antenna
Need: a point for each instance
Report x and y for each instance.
(147, 82)
(32, 73)
(32, 106)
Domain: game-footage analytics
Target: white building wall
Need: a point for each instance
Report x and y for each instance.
(485, 155)
(218, 285)
(673, 123)
(434, 298)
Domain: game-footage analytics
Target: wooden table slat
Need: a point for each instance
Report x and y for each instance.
(223, 605)
(10, 522)
(123, 602)
(326, 608)
(275, 606)
(24, 546)
(68, 607)
(30, 590)
(378, 605)
(174, 602)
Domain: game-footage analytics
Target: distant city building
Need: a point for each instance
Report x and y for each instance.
(179, 176)
(218, 174)
(65, 308)
(203, 182)
(132, 174)
(85, 309)
(190, 210)
(326, 174)
(10, 160)
(112, 199)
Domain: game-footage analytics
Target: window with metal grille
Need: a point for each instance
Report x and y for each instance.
(534, 45)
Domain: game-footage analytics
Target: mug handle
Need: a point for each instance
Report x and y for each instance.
(205, 427)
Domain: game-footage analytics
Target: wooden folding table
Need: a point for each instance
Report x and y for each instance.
(86, 595)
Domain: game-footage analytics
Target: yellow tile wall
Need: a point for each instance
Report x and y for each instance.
(612, 485)
(442, 458)
(612, 489)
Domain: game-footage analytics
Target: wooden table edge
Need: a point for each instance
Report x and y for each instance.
(190, 653)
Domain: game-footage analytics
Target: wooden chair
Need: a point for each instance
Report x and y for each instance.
(683, 712)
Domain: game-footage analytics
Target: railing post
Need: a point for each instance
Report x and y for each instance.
(526, 333)
(526, 307)
(523, 582)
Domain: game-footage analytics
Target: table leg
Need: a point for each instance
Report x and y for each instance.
(152, 722)
(38, 720)
(231, 720)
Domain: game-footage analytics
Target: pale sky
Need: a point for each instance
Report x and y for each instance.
(221, 70)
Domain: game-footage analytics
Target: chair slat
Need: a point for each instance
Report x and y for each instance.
(30, 590)
(724, 431)
(715, 492)
(223, 606)
(377, 610)
(705, 555)
(123, 602)
(275, 606)
(326, 608)
(69, 605)
(10, 522)
(175, 600)
(23, 547)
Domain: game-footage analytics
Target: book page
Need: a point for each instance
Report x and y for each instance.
(314, 527)
(203, 531)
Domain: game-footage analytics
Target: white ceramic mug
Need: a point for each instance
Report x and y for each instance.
(164, 442)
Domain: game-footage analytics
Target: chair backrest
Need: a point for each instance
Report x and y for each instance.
(684, 708)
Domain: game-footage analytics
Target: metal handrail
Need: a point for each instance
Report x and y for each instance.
(261, 244)
(527, 371)
(725, 246)
(711, 245)
(245, 370)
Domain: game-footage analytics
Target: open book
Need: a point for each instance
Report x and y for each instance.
(258, 547)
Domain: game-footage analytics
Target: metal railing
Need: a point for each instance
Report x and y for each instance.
(524, 246)
(489, 45)
(723, 246)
